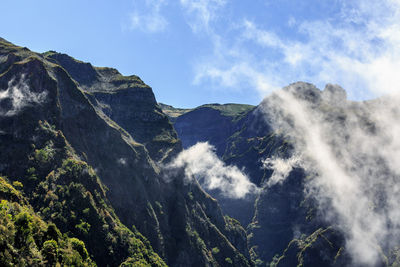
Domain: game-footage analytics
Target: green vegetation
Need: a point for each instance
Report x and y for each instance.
(26, 240)
(18, 185)
(66, 191)
(230, 110)
(172, 112)
(215, 250)
(299, 250)
(7, 191)
(196, 239)
(125, 82)
(228, 260)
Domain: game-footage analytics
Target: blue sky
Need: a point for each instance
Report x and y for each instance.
(193, 52)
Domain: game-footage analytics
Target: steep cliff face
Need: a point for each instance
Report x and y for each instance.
(126, 100)
(213, 123)
(240, 136)
(220, 125)
(86, 143)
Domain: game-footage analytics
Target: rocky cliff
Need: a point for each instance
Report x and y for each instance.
(88, 146)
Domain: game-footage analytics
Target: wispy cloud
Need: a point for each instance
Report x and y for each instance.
(241, 74)
(147, 16)
(281, 169)
(200, 13)
(18, 96)
(200, 162)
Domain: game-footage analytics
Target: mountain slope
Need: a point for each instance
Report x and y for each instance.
(86, 143)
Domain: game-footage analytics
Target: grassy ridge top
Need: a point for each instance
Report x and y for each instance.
(173, 112)
(230, 109)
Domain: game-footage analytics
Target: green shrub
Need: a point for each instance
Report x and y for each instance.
(215, 250)
(18, 185)
(83, 227)
(79, 246)
(228, 260)
(50, 251)
(53, 232)
(23, 235)
(31, 175)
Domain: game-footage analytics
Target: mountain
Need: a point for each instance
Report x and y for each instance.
(86, 146)
(86, 177)
(286, 225)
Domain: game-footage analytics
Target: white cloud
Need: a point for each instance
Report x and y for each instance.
(200, 162)
(200, 13)
(148, 18)
(264, 38)
(281, 169)
(18, 96)
(241, 73)
(122, 161)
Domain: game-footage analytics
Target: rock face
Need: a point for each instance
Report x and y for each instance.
(213, 123)
(216, 124)
(87, 144)
(125, 100)
(241, 138)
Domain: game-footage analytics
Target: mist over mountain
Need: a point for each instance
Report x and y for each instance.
(95, 172)
(326, 172)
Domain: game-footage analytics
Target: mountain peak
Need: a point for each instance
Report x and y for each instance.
(3, 40)
(305, 91)
(334, 93)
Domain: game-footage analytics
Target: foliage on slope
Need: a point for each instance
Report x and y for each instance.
(27, 240)
(72, 196)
